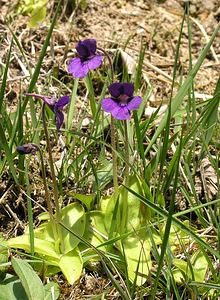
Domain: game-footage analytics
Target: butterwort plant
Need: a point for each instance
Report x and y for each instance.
(120, 105)
(87, 59)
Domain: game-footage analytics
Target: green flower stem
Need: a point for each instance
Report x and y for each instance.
(30, 211)
(127, 154)
(113, 135)
(55, 187)
(114, 157)
(124, 206)
(109, 61)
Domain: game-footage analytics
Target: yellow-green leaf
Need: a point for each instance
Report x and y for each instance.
(138, 257)
(37, 16)
(71, 265)
(73, 216)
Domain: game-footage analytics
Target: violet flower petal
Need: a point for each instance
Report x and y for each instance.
(82, 50)
(48, 100)
(24, 149)
(91, 45)
(86, 48)
(134, 103)
(64, 100)
(128, 89)
(59, 118)
(27, 149)
(94, 62)
(108, 104)
(115, 89)
(77, 68)
(121, 113)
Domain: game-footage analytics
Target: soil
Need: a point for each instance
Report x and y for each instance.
(114, 24)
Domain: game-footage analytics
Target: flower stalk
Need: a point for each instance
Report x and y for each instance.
(109, 61)
(29, 210)
(114, 157)
(113, 131)
(126, 176)
(127, 154)
(53, 176)
(47, 196)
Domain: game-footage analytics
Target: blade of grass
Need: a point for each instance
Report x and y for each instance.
(169, 220)
(40, 61)
(165, 141)
(138, 74)
(4, 79)
(31, 102)
(9, 157)
(206, 285)
(89, 86)
(19, 128)
(212, 115)
(72, 104)
(177, 100)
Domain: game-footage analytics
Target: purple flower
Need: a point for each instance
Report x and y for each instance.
(55, 106)
(27, 149)
(87, 59)
(122, 101)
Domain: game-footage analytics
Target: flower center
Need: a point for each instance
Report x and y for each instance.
(123, 99)
(86, 58)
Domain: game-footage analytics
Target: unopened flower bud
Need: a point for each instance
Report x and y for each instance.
(27, 149)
